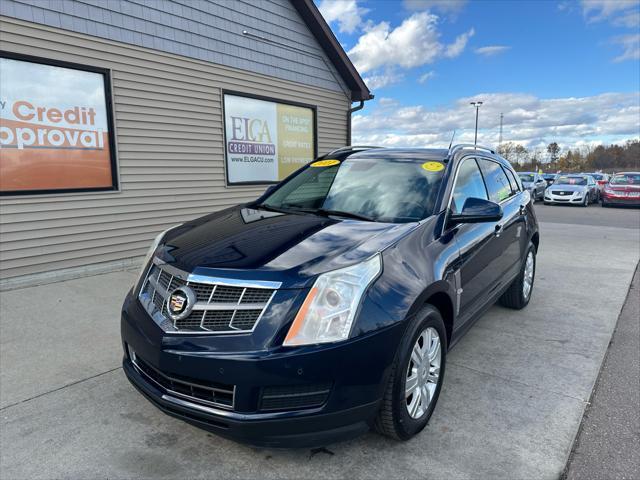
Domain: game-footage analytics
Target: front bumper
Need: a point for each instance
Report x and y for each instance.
(356, 371)
(611, 199)
(575, 198)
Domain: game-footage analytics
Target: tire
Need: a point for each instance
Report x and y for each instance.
(547, 203)
(604, 204)
(516, 297)
(586, 202)
(394, 419)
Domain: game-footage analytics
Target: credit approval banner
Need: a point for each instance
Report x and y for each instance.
(265, 141)
(54, 132)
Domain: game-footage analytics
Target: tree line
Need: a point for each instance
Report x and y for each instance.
(610, 158)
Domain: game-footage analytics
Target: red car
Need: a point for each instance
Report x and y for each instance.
(622, 189)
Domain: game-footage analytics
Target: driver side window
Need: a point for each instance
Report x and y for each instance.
(469, 184)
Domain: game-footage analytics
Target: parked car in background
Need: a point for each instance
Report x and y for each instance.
(329, 304)
(601, 180)
(549, 178)
(623, 189)
(535, 183)
(574, 189)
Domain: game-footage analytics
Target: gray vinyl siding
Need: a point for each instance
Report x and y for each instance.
(279, 43)
(169, 137)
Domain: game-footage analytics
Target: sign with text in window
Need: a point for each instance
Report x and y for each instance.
(55, 132)
(266, 140)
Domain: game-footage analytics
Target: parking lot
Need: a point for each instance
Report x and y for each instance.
(514, 394)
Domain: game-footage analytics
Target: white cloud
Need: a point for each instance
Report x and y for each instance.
(426, 76)
(443, 6)
(616, 11)
(457, 47)
(630, 47)
(415, 42)
(528, 120)
(346, 13)
(383, 79)
(491, 50)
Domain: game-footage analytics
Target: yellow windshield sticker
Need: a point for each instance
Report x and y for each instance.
(325, 163)
(433, 166)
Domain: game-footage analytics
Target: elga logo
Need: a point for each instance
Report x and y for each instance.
(250, 135)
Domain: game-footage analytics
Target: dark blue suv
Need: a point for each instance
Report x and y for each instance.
(328, 305)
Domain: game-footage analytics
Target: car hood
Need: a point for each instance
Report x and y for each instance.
(527, 184)
(569, 188)
(249, 244)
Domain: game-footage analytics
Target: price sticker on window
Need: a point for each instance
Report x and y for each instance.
(433, 166)
(325, 163)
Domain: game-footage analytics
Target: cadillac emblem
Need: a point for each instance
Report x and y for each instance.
(180, 302)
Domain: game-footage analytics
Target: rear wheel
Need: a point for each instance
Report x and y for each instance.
(518, 294)
(416, 377)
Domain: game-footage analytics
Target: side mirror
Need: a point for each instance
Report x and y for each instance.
(477, 210)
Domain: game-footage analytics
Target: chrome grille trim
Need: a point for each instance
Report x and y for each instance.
(156, 288)
(134, 360)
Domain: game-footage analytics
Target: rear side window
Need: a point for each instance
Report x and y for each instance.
(469, 184)
(496, 180)
(515, 186)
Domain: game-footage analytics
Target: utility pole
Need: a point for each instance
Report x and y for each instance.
(477, 107)
(500, 138)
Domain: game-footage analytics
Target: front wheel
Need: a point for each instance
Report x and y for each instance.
(416, 378)
(518, 294)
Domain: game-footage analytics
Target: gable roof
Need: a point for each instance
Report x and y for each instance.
(332, 48)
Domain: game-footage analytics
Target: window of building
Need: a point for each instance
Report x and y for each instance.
(56, 132)
(266, 139)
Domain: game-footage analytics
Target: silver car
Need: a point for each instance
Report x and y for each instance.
(572, 189)
(535, 183)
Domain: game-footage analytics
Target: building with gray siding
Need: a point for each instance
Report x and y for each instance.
(171, 81)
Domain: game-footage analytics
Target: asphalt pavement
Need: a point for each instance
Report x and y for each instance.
(514, 395)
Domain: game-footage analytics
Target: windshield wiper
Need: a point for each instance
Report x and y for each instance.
(270, 208)
(338, 213)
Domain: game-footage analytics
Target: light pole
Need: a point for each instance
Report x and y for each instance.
(477, 105)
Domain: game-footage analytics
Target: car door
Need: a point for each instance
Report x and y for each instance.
(509, 231)
(541, 184)
(477, 243)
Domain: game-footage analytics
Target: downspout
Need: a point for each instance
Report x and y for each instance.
(350, 112)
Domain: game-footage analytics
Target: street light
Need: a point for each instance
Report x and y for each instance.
(477, 105)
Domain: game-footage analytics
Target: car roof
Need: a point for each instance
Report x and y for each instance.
(403, 153)
(627, 173)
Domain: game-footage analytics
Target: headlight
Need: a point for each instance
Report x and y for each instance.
(328, 311)
(150, 252)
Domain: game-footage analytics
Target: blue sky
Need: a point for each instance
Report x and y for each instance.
(558, 70)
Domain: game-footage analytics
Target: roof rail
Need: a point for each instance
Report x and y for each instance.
(461, 146)
(350, 149)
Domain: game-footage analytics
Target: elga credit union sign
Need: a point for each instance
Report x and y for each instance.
(266, 140)
(54, 129)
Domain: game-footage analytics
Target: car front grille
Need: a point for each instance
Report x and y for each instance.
(294, 397)
(216, 394)
(220, 307)
(561, 192)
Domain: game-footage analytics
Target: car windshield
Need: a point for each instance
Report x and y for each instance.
(526, 177)
(597, 176)
(379, 189)
(571, 181)
(626, 179)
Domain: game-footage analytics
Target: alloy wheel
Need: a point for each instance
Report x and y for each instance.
(423, 372)
(527, 283)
